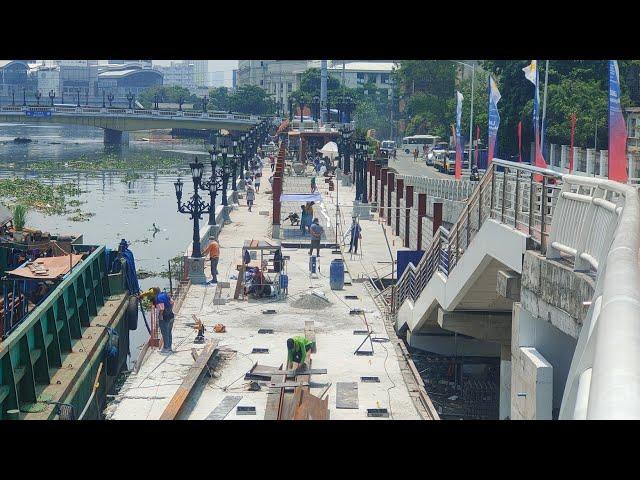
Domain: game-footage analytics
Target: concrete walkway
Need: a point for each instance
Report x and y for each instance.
(147, 393)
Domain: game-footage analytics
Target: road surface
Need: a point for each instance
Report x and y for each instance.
(405, 164)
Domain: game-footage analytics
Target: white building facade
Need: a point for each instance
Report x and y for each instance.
(179, 73)
(278, 77)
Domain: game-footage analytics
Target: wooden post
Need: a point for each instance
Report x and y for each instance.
(408, 205)
(391, 183)
(399, 195)
(437, 217)
(422, 211)
(383, 183)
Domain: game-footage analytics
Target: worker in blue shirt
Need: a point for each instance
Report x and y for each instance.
(356, 235)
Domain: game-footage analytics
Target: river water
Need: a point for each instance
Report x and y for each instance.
(122, 208)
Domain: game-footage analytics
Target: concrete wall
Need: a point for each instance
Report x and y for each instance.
(555, 346)
(437, 340)
(554, 292)
(531, 390)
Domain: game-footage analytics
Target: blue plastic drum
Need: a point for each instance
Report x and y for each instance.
(336, 274)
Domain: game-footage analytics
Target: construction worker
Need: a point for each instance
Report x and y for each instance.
(213, 249)
(164, 305)
(298, 351)
(356, 235)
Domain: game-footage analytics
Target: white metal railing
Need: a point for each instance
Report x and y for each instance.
(440, 187)
(604, 378)
(111, 111)
(585, 218)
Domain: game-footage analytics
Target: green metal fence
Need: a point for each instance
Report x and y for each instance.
(39, 345)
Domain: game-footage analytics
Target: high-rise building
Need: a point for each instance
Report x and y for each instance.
(179, 73)
(234, 78)
(201, 76)
(278, 77)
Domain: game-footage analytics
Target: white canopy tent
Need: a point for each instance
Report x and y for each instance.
(329, 150)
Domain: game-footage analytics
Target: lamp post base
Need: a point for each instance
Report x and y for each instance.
(346, 180)
(195, 270)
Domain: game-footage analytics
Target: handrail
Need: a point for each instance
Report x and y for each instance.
(604, 378)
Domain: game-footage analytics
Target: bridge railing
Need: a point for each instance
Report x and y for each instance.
(512, 193)
(604, 378)
(585, 220)
(132, 112)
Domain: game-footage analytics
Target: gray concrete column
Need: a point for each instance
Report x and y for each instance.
(505, 382)
(115, 137)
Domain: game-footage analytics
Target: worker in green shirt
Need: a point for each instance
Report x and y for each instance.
(298, 349)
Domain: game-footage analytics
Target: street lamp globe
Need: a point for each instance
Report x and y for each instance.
(197, 170)
(178, 185)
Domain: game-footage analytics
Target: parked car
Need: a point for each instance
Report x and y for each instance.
(387, 148)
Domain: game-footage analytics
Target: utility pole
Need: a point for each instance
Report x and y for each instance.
(473, 83)
(323, 92)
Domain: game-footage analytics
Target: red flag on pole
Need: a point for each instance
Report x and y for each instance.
(573, 131)
(520, 142)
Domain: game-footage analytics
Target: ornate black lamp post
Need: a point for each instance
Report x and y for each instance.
(155, 101)
(205, 99)
(213, 186)
(363, 173)
(315, 105)
(52, 95)
(345, 133)
(290, 108)
(86, 96)
(348, 108)
(104, 105)
(180, 102)
(234, 170)
(195, 206)
(78, 97)
(301, 103)
(38, 96)
(13, 97)
(130, 98)
(242, 145)
(225, 166)
(110, 98)
(62, 97)
(24, 97)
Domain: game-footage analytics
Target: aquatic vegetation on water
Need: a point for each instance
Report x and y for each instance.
(110, 162)
(49, 199)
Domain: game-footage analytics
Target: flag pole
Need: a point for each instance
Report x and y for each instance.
(544, 104)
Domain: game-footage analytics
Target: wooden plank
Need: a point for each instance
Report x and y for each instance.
(194, 374)
(240, 281)
(310, 334)
(274, 398)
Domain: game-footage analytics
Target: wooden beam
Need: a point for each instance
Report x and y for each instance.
(194, 374)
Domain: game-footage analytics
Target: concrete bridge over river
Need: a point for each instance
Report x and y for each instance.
(116, 122)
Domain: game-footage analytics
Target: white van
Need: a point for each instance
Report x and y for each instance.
(409, 144)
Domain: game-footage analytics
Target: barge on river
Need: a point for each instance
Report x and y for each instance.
(63, 327)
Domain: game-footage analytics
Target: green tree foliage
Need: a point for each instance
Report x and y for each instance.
(219, 98)
(251, 99)
(167, 94)
(427, 88)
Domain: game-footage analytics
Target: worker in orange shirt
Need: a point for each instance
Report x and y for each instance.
(213, 249)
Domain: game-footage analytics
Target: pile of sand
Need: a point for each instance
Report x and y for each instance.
(309, 301)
